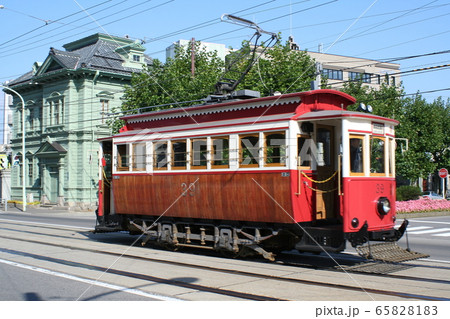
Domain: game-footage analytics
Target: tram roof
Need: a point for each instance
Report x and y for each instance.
(334, 114)
(344, 98)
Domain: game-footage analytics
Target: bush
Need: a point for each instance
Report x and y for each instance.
(408, 193)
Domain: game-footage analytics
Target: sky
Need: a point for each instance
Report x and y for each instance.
(415, 33)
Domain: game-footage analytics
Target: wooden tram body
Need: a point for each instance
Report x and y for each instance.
(274, 173)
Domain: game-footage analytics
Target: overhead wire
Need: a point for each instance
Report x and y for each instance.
(49, 22)
(106, 16)
(430, 53)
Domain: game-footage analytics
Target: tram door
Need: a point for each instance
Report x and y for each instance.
(325, 194)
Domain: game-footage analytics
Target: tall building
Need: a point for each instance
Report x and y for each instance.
(221, 50)
(67, 99)
(340, 69)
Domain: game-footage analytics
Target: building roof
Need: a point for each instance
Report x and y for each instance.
(96, 52)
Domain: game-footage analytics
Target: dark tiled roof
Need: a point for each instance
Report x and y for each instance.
(97, 55)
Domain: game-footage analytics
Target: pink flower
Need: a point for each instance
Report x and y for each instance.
(423, 205)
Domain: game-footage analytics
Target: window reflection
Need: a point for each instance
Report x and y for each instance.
(377, 155)
(356, 155)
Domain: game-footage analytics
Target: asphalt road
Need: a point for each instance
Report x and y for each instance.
(430, 235)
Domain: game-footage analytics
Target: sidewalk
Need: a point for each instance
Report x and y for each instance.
(36, 210)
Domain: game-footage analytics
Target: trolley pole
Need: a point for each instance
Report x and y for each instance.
(24, 198)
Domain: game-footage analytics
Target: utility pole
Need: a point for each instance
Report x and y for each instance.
(24, 198)
(193, 57)
(316, 84)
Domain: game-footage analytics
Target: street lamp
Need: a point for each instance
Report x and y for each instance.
(24, 199)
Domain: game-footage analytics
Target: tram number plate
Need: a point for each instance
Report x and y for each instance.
(380, 189)
(285, 174)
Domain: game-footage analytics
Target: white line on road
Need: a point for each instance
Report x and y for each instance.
(409, 229)
(90, 282)
(430, 231)
(443, 235)
(47, 224)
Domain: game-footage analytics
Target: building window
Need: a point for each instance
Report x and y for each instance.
(30, 173)
(333, 74)
(358, 76)
(104, 110)
(56, 110)
(366, 77)
(220, 152)
(354, 76)
(136, 58)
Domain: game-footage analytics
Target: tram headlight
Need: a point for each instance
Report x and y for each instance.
(384, 206)
(355, 222)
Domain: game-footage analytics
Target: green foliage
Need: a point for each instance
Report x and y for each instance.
(173, 82)
(408, 193)
(280, 69)
(165, 85)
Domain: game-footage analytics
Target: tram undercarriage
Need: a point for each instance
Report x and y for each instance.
(265, 240)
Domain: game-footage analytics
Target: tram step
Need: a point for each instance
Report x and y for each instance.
(388, 252)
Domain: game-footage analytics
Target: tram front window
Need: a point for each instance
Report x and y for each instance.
(356, 155)
(377, 145)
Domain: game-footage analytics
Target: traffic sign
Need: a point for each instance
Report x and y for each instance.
(443, 173)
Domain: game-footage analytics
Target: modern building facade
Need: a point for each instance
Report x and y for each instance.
(67, 99)
(220, 49)
(340, 69)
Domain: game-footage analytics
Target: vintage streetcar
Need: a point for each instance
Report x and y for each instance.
(261, 174)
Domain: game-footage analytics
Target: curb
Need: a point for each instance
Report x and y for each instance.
(423, 214)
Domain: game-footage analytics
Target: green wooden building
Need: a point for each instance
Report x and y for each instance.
(67, 100)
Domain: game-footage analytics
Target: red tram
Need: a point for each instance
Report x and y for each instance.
(292, 171)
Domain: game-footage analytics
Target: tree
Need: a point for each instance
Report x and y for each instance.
(168, 85)
(162, 86)
(280, 69)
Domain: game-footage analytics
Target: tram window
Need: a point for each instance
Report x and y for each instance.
(160, 156)
(139, 157)
(199, 152)
(221, 152)
(123, 163)
(275, 149)
(304, 143)
(356, 154)
(323, 147)
(179, 154)
(391, 154)
(249, 150)
(377, 145)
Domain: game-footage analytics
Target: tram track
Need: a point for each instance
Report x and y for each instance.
(208, 268)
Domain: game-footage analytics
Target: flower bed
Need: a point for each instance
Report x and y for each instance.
(423, 205)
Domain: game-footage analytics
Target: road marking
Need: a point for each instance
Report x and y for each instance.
(417, 228)
(430, 231)
(428, 221)
(443, 235)
(46, 224)
(90, 282)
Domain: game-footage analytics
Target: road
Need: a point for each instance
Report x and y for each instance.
(430, 235)
(48, 255)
